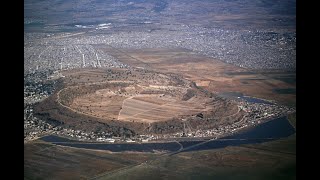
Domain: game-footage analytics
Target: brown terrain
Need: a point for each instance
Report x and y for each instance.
(164, 90)
(48, 161)
(214, 75)
(134, 101)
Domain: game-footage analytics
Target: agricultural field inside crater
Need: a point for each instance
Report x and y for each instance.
(147, 98)
(138, 99)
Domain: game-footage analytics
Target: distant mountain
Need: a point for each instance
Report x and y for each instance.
(260, 14)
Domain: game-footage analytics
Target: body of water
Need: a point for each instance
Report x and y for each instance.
(271, 130)
(238, 95)
(268, 131)
(143, 147)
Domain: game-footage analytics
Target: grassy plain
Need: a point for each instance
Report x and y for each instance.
(46, 161)
(270, 160)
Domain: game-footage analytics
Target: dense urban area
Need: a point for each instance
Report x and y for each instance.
(254, 49)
